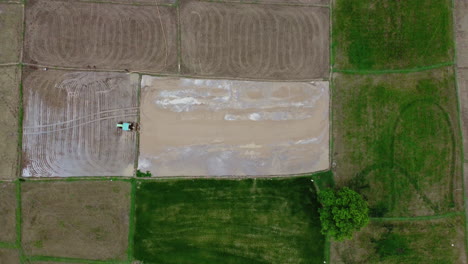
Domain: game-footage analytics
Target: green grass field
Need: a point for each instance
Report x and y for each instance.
(389, 34)
(396, 141)
(228, 221)
(406, 242)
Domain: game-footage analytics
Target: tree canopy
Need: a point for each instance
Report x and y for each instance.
(343, 212)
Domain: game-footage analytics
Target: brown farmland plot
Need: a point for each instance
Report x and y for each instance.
(254, 41)
(7, 212)
(195, 127)
(88, 35)
(70, 119)
(9, 113)
(87, 219)
(9, 256)
(462, 32)
(11, 25)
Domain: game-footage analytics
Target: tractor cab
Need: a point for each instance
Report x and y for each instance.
(126, 126)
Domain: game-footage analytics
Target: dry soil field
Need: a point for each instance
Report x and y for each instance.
(196, 127)
(9, 256)
(11, 24)
(70, 119)
(76, 219)
(7, 212)
(9, 107)
(106, 36)
(254, 41)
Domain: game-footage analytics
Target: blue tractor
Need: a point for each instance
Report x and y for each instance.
(127, 126)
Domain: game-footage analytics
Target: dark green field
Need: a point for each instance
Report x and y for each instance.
(228, 221)
(396, 141)
(383, 34)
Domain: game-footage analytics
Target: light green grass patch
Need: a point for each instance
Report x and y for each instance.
(228, 221)
(396, 141)
(389, 34)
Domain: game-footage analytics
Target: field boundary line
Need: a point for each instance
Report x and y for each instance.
(327, 247)
(19, 222)
(73, 260)
(411, 70)
(417, 218)
(77, 178)
(9, 63)
(131, 222)
(460, 121)
(8, 245)
(117, 3)
(179, 38)
(263, 3)
(159, 74)
(137, 136)
(11, 2)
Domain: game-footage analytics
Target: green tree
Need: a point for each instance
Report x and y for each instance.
(343, 212)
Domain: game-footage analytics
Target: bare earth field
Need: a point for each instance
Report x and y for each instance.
(11, 24)
(106, 36)
(254, 41)
(9, 256)
(462, 32)
(76, 219)
(463, 95)
(9, 107)
(70, 119)
(194, 127)
(7, 212)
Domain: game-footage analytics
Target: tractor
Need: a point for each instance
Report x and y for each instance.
(127, 126)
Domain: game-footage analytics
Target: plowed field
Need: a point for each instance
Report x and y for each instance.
(88, 35)
(70, 122)
(254, 41)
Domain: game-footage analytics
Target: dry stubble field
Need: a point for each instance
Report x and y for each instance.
(7, 212)
(254, 41)
(70, 119)
(11, 25)
(9, 114)
(86, 220)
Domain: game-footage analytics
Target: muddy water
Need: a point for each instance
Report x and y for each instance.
(220, 127)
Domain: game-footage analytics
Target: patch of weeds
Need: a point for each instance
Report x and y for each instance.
(143, 174)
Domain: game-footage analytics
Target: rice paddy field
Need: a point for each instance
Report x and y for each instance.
(301, 96)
